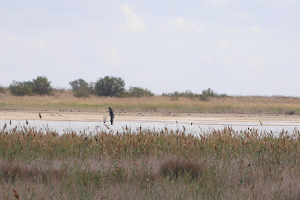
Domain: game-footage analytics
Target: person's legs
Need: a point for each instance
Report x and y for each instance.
(112, 115)
(112, 119)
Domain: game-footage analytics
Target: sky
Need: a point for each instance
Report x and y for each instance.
(237, 47)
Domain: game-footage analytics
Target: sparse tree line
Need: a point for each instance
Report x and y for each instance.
(204, 96)
(106, 86)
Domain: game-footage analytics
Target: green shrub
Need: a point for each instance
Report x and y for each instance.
(139, 92)
(81, 88)
(39, 86)
(205, 96)
(21, 88)
(187, 94)
(3, 89)
(209, 94)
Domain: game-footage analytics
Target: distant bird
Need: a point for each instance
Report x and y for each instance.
(10, 122)
(40, 115)
(176, 122)
(191, 123)
(26, 122)
(260, 122)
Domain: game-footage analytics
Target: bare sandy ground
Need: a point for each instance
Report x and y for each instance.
(96, 116)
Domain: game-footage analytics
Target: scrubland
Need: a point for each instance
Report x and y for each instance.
(65, 100)
(148, 164)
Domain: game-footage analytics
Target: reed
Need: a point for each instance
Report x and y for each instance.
(149, 164)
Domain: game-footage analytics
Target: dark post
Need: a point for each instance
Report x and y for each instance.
(112, 115)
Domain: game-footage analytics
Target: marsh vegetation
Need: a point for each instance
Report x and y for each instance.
(149, 164)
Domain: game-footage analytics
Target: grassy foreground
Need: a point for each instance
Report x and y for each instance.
(149, 164)
(66, 101)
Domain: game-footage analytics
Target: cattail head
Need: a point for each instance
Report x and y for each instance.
(16, 193)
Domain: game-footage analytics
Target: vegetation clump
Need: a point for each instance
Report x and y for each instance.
(81, 88)
(139, 92)
(21, 88)
(41, 86)
(110, 86)
(209, 94)
(38, 86)
(3, 89)
(206, 95)
(177, 167)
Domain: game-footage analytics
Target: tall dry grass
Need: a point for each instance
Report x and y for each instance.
(65, 100)
(149, 164)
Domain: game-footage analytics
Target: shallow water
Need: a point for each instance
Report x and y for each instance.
(197, 127)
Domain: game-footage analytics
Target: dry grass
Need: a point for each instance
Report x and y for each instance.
(66, 101)
(177, 167)
(149, 164)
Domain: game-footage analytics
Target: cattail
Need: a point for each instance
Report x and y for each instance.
(16, 193)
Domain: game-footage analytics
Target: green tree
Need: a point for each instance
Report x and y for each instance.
(110, 86)
(18, 88)
(81, 88)
(42, 86)
(139, 92)
(77, 84)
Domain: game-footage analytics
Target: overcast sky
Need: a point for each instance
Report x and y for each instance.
(248, 47)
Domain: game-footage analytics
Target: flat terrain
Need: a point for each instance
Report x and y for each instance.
(152, 163)
(63, 106)
(158, 106)
(96, 116)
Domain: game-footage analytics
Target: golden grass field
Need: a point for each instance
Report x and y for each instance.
(239, 105)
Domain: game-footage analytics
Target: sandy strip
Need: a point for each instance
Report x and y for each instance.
(95, 116)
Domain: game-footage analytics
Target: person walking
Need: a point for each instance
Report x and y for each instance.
(112, 115)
